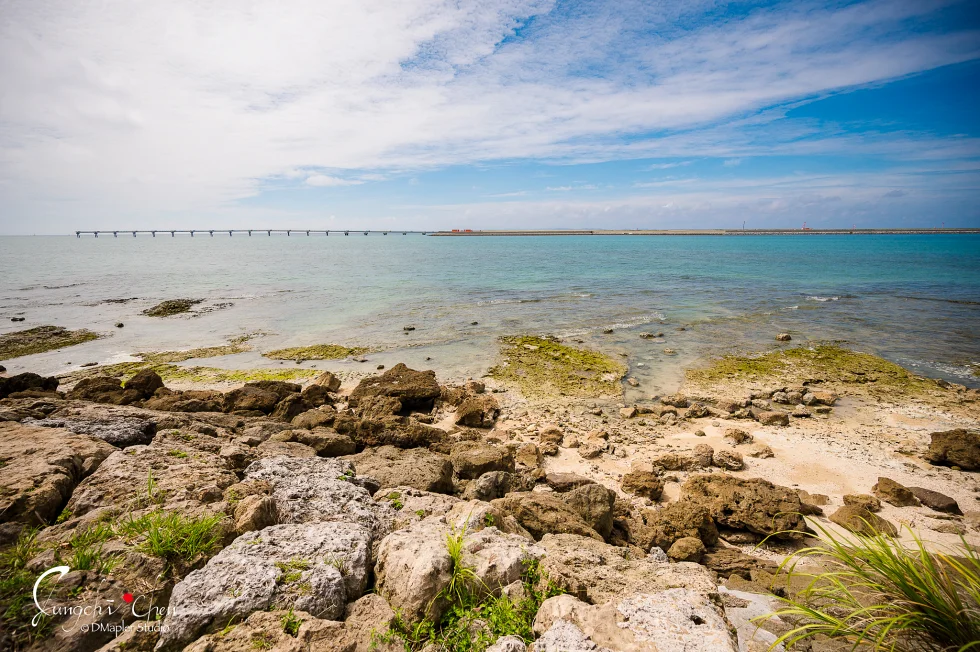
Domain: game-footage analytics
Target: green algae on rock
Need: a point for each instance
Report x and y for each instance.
(41, 339)
(826, 363)
(316, 352)
(160, 357)
(171, 307)
(199, 375)
(543, 366)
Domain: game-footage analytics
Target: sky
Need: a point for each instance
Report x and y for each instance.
(488, 114)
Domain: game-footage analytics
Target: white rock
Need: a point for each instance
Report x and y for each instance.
(316, 489)
(317, 568)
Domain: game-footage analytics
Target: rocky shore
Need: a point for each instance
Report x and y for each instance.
(395, 512)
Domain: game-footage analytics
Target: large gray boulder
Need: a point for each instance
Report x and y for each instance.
(414, 566)
(317, 568)
(316, 489)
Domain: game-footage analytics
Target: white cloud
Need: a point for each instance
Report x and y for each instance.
(120, 111)
(732, 162)
(323, 181)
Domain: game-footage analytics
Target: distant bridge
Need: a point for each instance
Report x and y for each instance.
(249, 232)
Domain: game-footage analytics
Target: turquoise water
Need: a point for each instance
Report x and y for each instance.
(912, 299)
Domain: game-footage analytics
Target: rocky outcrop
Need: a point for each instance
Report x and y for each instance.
(594, 505)
(935, 500)
(864, 501)
(317, 568)
(415, 467)
(542, 513)
(40, 469)
(414, 566)
(597, 572)
(471, 459)
(479, 411)
(894, 493)
(415, 390)
(146, 382)
(753, 504)
(860, 521)
(325, 442)
(732, 561)
(955, 448)
(497, 484)
(103, 389)
(315, 490)
(25, 382)
(249, 399)
(102, 423)
(675, 521)
(643, 480)
(168, 472)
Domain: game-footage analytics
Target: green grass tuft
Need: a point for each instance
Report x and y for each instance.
(876, 593)
(16, 587)
(176, 538)
(291, 623)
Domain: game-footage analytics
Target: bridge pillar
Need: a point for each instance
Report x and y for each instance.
(250, 233)
(153, 233)
(212, 233)
(134, 234)
(346, 233)
(171, 234)
(287, 233)
(115, 234)
(229, 234)
(192, 233)
(307, 234)
(270, 233)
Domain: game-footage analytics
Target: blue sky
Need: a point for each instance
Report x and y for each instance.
(435, 114)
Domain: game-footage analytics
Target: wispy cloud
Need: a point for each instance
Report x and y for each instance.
(141, 111)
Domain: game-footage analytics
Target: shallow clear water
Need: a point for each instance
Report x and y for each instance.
(912, 299)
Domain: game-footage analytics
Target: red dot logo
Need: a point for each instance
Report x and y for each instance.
(128, 597)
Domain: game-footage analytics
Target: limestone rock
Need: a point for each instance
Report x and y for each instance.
(687, 549)
(955, 448)
(478, 411)
(416, 390)
(562, 482)
(417, 505)
(316, 489)
(328, 380)
(678, 520)
(860, 521)
(250, 398)
(471, 459)
(111, 424)
(704, 455)
(166, 473)
(643, 480)
(863, 501)
(597, 572)
(41, 467)
(146, 382)
(541, 513)
(315, 418)
(732, 561)
(752, 504)
(936, 501)
(414, 565)
(415, 467)
(316, 568)
(728, 459)
(508, 644)
(594, 504)
(894, 493)
(496, 484)
(737, 436)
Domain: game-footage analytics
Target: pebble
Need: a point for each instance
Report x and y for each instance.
(2, 369)
(474, 323)
(381, 366)
(119, 324)
(408, 328)
(17, 319)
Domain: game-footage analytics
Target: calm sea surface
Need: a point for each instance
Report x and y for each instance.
(912, 299)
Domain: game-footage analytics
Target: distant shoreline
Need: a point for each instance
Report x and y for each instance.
(712, 232)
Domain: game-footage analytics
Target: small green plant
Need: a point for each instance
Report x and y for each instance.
(475, 617)
(396, 500)
(292, 570)
(420, 513)
(173, 536)
(151, 494)
(291, 623)
(262, 641)
(16, 586)
(875, 592)
(488, 519)
(63, 516)
(340, 563)
(177, 453)
(86, 549)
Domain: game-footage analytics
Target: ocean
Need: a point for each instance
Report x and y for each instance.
(913, 299)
